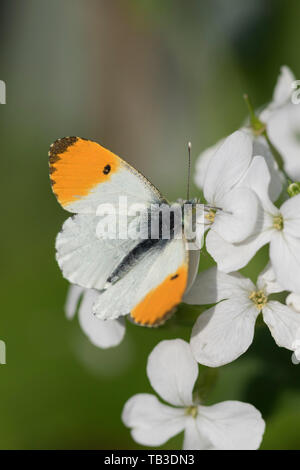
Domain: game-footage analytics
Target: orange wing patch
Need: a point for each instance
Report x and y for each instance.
(161, 300)
(77, 165)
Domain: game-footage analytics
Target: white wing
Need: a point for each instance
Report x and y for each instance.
(84, 258)
(151, 289)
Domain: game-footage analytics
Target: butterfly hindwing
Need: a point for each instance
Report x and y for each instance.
(151, 289)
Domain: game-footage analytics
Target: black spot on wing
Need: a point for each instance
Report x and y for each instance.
(107, 169)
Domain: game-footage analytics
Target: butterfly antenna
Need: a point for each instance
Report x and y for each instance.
(189, 171)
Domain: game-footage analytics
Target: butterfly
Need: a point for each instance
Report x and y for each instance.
(144, 278)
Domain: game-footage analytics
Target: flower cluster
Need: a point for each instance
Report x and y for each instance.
(250, 186)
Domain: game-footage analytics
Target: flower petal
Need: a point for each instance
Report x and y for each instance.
(224, 332)
(237, 219)
(202, 163)
(281, 95)
(258, 179)
(172, 371)
(227, 166)
(276, 179)
(152, 422)
(213, 285)
(72, 301)
(285, 259)
(267, 281)
(231, 257)
(283, 322)
(290, 211)
(293, 301)
(283, 131)
(231, 425)
(283, 88)
(102, 333)
(193, 438)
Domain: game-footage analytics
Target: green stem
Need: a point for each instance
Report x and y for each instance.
(277, 156)
(258, 127)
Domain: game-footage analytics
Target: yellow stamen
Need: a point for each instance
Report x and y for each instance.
(191, 411)
(278, 222)
(210, 216)
(259, 298)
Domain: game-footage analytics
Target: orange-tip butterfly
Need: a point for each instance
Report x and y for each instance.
(145, 277)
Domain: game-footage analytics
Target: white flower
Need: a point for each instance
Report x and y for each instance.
(225, 331)
(282, 117)
(172, 372)
(103, 334)
(239, 205)
(259, 147)
(279, 227)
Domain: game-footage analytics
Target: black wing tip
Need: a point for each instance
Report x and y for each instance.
(60, 146)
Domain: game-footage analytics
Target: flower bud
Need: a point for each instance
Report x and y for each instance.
(293, 189)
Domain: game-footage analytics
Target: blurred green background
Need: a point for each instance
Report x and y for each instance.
(142, 77)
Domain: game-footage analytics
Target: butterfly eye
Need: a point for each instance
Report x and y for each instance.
(107, 169)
